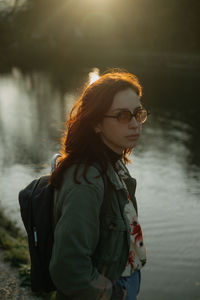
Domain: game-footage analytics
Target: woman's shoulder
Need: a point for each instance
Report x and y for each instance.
(82, 174)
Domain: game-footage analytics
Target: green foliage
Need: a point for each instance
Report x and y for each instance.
(15, 246)
(8, 225)
(24, 272)
(5, 240)
(50, 33)
(15, 251)
(18, 254)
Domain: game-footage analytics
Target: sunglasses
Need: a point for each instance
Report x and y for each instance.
(125, 116)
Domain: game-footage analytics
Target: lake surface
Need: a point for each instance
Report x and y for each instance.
(165, 163)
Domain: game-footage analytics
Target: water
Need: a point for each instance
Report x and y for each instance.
(169, 210)
(165, 164)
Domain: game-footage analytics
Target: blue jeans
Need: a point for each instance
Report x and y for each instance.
(131, 284)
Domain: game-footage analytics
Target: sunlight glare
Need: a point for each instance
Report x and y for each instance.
(94, 75)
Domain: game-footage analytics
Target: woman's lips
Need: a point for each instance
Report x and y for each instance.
(133, 136)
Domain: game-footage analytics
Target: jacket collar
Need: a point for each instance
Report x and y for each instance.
(114, 178)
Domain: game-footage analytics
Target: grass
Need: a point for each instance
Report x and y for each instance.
(8, 225)
(13, 243)
(16, 252)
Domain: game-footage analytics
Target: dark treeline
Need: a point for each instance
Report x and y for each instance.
(44, 31)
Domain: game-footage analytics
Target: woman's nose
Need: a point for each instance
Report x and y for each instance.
(134, 123)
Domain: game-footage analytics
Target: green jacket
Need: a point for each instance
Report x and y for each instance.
(90, 250)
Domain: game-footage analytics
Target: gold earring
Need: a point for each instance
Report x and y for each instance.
(97, 130)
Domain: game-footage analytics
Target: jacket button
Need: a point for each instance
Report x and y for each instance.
(112, 226)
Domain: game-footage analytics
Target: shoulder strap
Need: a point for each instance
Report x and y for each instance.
(53, 161)
(105, 197)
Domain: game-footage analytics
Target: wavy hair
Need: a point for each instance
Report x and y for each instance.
(80, 143)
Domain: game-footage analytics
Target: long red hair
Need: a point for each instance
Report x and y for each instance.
(80, 142)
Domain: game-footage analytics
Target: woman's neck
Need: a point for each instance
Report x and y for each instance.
(112, 155)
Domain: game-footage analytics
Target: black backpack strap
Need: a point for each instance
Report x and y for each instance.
(105, 182)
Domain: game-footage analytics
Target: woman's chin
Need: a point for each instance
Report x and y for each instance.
(132, 144)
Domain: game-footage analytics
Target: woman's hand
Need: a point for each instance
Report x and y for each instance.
(118, 293)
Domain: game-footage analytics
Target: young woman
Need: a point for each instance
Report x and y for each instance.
(98, 249)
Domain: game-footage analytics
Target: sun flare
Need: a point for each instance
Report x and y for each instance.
(94, 75)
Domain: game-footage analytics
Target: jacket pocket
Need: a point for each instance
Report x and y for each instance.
(112, 223)
(111, 240)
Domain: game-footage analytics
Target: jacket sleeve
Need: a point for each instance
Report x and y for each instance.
(75, 239)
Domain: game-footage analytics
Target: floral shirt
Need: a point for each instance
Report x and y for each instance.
(137, 252)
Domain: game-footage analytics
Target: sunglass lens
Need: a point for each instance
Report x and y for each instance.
(141, 116)
(124, 117)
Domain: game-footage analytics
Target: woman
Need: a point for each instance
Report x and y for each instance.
(98, 249)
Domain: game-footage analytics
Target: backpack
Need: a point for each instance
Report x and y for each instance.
(36, 207)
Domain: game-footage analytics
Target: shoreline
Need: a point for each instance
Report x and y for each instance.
(147, 61)
(15, 264)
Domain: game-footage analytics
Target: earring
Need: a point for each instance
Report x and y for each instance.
(97, 130)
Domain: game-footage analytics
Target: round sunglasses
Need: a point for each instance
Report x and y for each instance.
(125, 116)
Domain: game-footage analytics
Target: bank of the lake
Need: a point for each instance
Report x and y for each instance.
(15, 264)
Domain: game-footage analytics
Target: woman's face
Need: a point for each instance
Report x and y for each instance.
(114, 134)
